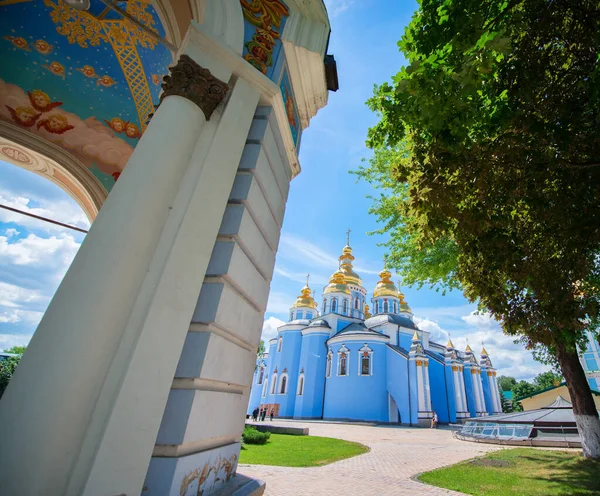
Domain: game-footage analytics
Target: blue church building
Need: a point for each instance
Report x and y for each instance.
(336, 360)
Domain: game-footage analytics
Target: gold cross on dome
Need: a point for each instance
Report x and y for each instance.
(307, 277)
(348, 236)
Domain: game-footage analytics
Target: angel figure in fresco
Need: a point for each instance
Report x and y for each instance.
(117, 124)
(55, 124)
(18, 42)
(289, 108)
(132, 131)
(41, 101)
(106, 81)
(56, 69)
(43, 47)
(24, 116)
(155, 79)
(88, 71)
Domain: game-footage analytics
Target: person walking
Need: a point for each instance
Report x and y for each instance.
(434, 421)
(271, 414)
(254, 414)
(263, 414)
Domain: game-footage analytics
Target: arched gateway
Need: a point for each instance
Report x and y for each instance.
(137, 378)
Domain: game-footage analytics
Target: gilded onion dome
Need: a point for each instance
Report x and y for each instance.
(403, 305)
(305, 299)
(337, 283)
(350, 276)
(385, 287)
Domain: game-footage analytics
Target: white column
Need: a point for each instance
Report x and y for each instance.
(54, 413)
(420, 386)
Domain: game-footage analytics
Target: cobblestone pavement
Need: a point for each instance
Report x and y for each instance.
(397, 454)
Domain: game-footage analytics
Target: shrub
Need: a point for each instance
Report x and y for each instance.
(252, 436)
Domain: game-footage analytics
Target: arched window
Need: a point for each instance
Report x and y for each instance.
(334, 305)
(365, 361)
(356, 303)
(300, 390)
(395, 307)
(261, 375)
(299, 315)
(279, 343)
(291, 315)
(385, 306)
(329, 359)
(264, 389)
(343, 360)
(273, 383)
(309, 315)
(283, 382)
(324, 306)
(345, 307)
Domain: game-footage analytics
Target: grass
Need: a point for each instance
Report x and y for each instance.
(299, 451)
(521, 472)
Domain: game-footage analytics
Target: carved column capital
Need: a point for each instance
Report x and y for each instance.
(194, 82)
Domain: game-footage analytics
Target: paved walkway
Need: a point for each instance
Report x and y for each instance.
(397, 454)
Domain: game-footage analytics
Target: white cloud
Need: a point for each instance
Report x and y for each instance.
(270, 329)
(9, 340)
(66, 211)
(437, 333)
(54, 252)
(12, 296)
(11, 232)
(336, 7)
(481, 320)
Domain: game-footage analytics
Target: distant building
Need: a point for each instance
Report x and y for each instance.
(590, 360)
(543, 398)
(344, 363)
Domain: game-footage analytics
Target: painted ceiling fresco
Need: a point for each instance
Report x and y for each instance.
(83, 80)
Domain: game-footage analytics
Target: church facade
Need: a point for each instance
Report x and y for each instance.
(336, 360)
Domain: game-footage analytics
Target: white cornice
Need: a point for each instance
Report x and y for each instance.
(365, 338)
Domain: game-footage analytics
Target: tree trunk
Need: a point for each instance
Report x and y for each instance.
(584, 408)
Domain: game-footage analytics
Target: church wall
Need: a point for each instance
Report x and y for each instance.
(405, 338)
(286, 362)
(487, 392)
(450, 393)
(470, 391)
(439, 390)
(256, 389)
(354, 396)
(397, 383)
(313, 360)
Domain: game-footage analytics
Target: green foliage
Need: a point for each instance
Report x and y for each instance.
(520, 471)
(260, 353)
(253, 436)
(300, 451)
(504, 403)
(506, 383)
(9, 365)
(547, 380)
(522, 389)
(487, 158)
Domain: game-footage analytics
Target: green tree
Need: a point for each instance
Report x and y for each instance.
(522, 389)
(547, 380)
(504, 403)
(260, 353)
(9, 365)
(506, 383)
(487, 161)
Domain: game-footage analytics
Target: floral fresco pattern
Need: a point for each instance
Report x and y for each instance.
(265, 20)
(217, 472)
(290, 106)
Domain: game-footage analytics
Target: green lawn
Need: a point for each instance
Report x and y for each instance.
(299, 451)
(521, 472)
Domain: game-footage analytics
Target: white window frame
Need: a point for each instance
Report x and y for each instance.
(265, 386)
(329, 363)
(279, 344)
(356, 303)
(386, 306)
(334, 303)
(273, 388)
(300, 388)
(345, 306)
(324, 306)
(281, 383)
(368, 350)
(261, 370)
(345, 351)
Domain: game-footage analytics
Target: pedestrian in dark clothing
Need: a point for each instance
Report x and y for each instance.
(254, 414)
(271, 415)
(263, 414)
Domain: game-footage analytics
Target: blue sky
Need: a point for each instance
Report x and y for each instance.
(325, 200)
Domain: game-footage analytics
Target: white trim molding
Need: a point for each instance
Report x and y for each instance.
(369, 354)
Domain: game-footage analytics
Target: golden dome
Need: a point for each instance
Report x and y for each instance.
(337, 283)
(367, 313)
(385, 287)
(305, 299)
(346, 258)
(403, 305)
